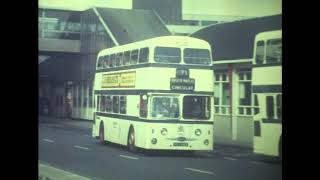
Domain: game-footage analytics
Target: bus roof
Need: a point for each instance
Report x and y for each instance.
(268, 35)
(169, 41)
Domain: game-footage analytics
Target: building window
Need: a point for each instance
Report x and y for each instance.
(222, 94)
(85, 95)
(245, 94)
(74, 96)
(79, 95)
(115, 101)
(123, 104)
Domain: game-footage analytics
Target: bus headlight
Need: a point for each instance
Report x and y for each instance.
(164, 131)
(197, 132)
(206, 142)
(154, 141)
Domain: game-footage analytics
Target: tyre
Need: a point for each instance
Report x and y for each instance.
(131, 141)
(101, 134)
(280, 149)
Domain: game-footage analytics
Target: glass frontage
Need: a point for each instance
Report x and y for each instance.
(57, 24)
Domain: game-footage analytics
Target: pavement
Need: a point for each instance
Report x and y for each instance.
(47, 172)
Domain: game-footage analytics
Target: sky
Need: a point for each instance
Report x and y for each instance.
(81, 5)
(252, 8)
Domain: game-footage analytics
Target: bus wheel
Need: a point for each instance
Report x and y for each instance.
(131, 141)
(280, 150)
(101, 134)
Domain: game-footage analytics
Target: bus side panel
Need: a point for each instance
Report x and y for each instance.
(268, 142)
(124, 125)
(269, 75)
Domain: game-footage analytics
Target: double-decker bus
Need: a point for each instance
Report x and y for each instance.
(267, 89)
(155, 94)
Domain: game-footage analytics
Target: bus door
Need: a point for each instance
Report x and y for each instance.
(115, 133)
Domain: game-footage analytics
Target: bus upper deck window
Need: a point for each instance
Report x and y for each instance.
(260, 52)
(109, 62)
(99, 66)
(127, 58)
(105, 61)
(196, 56)
(144, 55)
(113, 60)
(119, 61)
(274, 51)
(167, 55)
(134, 57)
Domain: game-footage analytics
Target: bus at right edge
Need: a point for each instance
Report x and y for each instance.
(267, 92)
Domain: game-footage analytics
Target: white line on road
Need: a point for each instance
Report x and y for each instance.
(128, 157)
(48, 140)
(80, 147)
(201, 171)
(256, 162)
(229, 158)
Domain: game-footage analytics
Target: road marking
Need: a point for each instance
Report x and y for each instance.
(80, 147)
(229, 158)
(201, 171)
(128, 157)
(210, 155)
(48, 140)
(257, 162)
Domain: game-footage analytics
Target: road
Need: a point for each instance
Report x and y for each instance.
(74, 150)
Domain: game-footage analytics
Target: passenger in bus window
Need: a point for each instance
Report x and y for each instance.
(174, 110)
(105, 61)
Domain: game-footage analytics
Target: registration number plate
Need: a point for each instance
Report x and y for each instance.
(180, 144)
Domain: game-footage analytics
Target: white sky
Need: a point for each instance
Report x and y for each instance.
(81, 5)
(233, 7)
